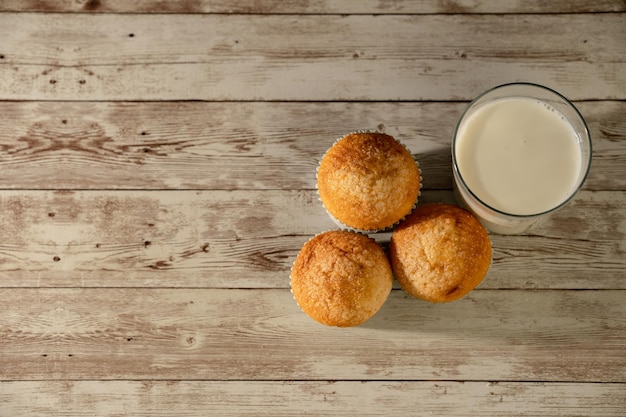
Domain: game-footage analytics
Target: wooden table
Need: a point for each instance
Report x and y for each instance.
(157, 176)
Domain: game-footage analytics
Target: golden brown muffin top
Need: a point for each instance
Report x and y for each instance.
(341, 278)
(440, 252)
(368, 181)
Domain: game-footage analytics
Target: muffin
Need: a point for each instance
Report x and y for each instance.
(368, 181)
(440, 252)
(341, 278)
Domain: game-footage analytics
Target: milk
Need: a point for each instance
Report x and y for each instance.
(517, 155)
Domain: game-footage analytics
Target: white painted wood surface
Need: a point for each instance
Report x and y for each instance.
(157, 179)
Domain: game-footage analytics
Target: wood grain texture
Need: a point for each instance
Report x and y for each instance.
(306, 398)
(200, 145)
(304, 7)
(262, 335)
(246, 239)
(163, 39)
(248, 57)
(157, 179)
(306, 80)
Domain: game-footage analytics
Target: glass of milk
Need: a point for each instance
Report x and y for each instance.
(519, 152)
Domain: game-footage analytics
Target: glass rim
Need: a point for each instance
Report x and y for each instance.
(586, 161)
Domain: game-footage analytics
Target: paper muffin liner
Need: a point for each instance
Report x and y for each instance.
(389, 228)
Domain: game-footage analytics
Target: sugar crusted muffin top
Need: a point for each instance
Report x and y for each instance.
(368, 181)
(341, 278)
(440, 252)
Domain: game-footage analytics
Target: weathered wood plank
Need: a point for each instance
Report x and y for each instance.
(155, 238)
(323, 6)
(249, 239)
(248, 57)
(165, 39)
(200, 145)
(306, 80)
(149, 202)
(558, 336)
(306, 398)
